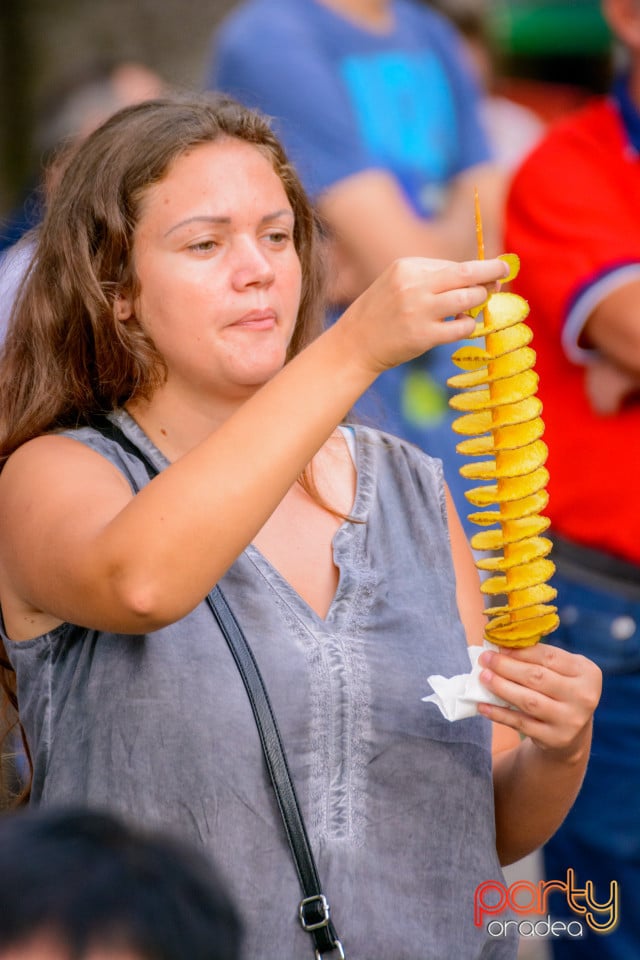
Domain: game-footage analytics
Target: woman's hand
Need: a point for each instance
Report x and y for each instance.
(402, 314)
(554, 692)
(536, 782)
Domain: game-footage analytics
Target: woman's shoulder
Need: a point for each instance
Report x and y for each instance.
(394, 447)
(389, 463)
(35, 456)
(62, 450)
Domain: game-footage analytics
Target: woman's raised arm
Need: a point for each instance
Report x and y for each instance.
(75, 545)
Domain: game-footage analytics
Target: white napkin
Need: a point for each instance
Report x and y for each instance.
(458, 697)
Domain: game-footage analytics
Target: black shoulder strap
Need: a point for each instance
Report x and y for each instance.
(313, 909)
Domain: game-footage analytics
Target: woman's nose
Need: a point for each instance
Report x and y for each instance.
(252, 266)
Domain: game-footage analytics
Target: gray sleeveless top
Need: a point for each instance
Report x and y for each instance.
(398, 802)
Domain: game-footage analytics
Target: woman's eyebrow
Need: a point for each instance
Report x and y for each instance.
(210, 218)
(284, 212)
(200, 218)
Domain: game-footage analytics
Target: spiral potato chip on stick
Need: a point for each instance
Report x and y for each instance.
(501, 417)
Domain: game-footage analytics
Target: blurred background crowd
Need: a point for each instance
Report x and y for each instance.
(49, 49)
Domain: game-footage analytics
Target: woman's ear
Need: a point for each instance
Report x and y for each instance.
(122, 307)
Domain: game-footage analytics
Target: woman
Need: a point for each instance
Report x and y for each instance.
(175, 285)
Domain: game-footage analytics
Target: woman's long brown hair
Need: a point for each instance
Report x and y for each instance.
(65, 357)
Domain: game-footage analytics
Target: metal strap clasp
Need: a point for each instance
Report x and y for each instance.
(320, 911)
(314, 914)
(336, 946)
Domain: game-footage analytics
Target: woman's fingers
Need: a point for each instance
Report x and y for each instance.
(452, 290)
(453, 303)
(536, 666)
(404, 312)
(458, 328)
(469, 273)
(553, 693)
(541, 670)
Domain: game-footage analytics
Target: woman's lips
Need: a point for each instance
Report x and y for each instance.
(257, 320)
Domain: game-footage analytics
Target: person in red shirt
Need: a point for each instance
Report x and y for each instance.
(573, 217)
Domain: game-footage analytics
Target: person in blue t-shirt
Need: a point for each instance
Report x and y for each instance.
(379, 111)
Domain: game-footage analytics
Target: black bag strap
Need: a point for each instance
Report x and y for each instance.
(313, 910)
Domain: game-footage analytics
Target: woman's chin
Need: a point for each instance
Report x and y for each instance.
(259, 373)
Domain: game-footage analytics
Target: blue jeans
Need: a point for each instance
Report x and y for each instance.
(600, 838)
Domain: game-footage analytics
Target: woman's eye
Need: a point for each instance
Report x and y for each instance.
(278, 236)
(202, 246)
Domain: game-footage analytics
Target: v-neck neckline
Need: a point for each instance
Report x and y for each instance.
(343, 543)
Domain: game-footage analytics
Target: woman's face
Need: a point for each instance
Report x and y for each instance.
(219, 277)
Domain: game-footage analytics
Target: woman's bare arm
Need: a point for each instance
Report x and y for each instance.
(74, 543)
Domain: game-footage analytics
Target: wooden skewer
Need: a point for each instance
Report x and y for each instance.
(478, 216)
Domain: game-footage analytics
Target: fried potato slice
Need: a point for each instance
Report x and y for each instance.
(501, 310)
(522, 600)
(508, 463)
(511, 338)
(515, 435)
(509, 511)
(522, 633)
(504, 391)
(513, 262)
(528, 575)
(510, 414)
(510, 437)
(470, 358)
(519, 412)
(479, 422)
(510, 532)
(526, 613)
(516, 488)
(476, 446)
(522, 552)
(514, 388)
(509, 365)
